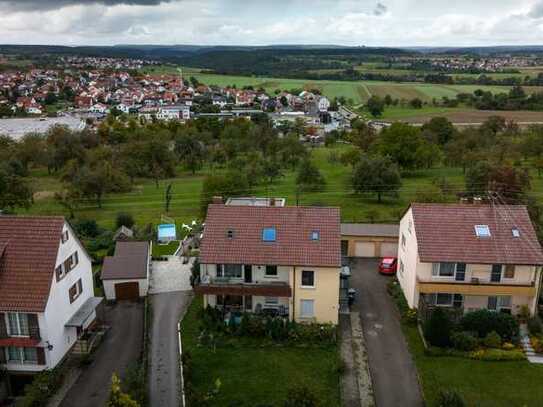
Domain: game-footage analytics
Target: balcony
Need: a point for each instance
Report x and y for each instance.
(476, 286)
(236, 286)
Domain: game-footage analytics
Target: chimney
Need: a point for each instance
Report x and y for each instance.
(217, 200)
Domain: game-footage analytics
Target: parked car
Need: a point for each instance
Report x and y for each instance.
(388, 265)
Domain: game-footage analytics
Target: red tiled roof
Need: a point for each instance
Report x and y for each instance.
(446, 233)
(28, 261)
(293, 245)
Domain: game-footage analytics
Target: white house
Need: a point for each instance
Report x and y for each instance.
(469, 257)
(323, 104)
(178, 112)
(126, 274)
(46, 292)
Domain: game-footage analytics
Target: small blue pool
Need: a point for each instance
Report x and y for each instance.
(166, 232)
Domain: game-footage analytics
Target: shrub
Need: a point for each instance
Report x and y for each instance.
(450, 398)
(534, 326)
(537, 344)
(124, 219)
(437, 328)
(508, 346)
(484, 321)
(43, 386)
(301, 396)
(87, 228)
(464, 341)
(493, 340)
(492, 355)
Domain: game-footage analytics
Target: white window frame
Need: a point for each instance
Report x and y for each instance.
(266, 275)
(302, 301)
(453, 277)
(481, 228)
(18, 318)
(22, 357)
(302, 279)
(504, 267)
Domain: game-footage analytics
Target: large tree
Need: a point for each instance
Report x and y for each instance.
(376, 106)
(15, 191)
(376, 175)
(309, 177)
(190, 151)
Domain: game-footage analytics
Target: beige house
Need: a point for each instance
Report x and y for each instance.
(272, 260)
(469, 257)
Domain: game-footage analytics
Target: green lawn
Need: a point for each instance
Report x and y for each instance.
(253, 374)
(164, 249)
(481, 383)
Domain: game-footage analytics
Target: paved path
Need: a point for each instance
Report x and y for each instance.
(171, 275)
(393, 371)
(121, 348)
(164, 367)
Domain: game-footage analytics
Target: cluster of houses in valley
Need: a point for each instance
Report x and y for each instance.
(262, 256)
(94, 93)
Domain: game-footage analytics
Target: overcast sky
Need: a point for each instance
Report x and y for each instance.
(263, 22)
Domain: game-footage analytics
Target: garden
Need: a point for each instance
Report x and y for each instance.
(257, 360)
(487, 375)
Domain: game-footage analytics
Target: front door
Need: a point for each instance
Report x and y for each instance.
(248, 273)
(496, 274)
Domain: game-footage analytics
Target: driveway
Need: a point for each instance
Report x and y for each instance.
(171, 275)
(393, 371)
(164, 369)
(121, 347)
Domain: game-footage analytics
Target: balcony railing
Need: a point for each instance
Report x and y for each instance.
(237, 286)
(476, 286)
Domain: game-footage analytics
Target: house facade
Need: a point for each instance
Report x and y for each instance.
(273, 260)
(469, 257)
(46, 292)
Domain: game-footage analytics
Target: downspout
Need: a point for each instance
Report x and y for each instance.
(294, 294)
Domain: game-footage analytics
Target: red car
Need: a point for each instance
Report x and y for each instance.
(388, 265)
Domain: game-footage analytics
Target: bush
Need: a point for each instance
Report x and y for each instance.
(301, 396)
(484, 321)
(450, 398)
(492, 355)
(87, 228)
(534, 326)
(464, 341)
(493, 340)
(43, 386)
(124, 219)
(437, 329)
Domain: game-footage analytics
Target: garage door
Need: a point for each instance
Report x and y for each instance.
(127, 291)
(364, 249)
(389, 249)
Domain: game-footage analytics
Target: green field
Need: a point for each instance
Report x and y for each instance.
(146, 202)
(252, 373)
(358, 91)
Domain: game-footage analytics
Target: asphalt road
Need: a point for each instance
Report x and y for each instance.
(164, 369)
(393, 371)
(121, 347)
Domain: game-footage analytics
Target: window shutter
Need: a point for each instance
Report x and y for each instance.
(80, 286)
(3, 327)
(435, 269)
(58, 272)
(33, 326)
(76, 259)
(41, 356)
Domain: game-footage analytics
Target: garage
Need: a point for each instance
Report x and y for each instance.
(127, 291)
(364, 249)
(369, 240)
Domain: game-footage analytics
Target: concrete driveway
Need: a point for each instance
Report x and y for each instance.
(164, 373)
(393, 371)
(121, 347)
(171, 275)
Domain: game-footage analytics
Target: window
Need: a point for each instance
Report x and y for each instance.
(67, 266)
(64, 237)
(271, 301)
(18, 324)
(515, 232)
(445, 300)
(271, 271)
(75, 291)
(403, 240)
(308, 278)
(268, 235)
(409, 226)
(22, 355)
(482, 230)
(307, 308)
(501, 303)
(230, 234)
(509, 271)
(401, 268)
(445, 269)
(315, 235)
(232, 270)
(496, 273)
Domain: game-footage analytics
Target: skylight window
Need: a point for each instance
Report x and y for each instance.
(315, 235)
(268, 234)
(230, 234)
(515, 232)
(482, 230)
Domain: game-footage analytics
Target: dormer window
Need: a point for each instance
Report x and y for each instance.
(315, 235)
(230, 234)
(482, 230)
(515, 232)
(268, 235)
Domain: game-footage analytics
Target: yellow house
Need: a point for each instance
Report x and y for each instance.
(276, 260)
(469, 257)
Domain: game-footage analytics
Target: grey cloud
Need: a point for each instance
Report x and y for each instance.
(380, 9)
(28, 5)
(537, 10)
